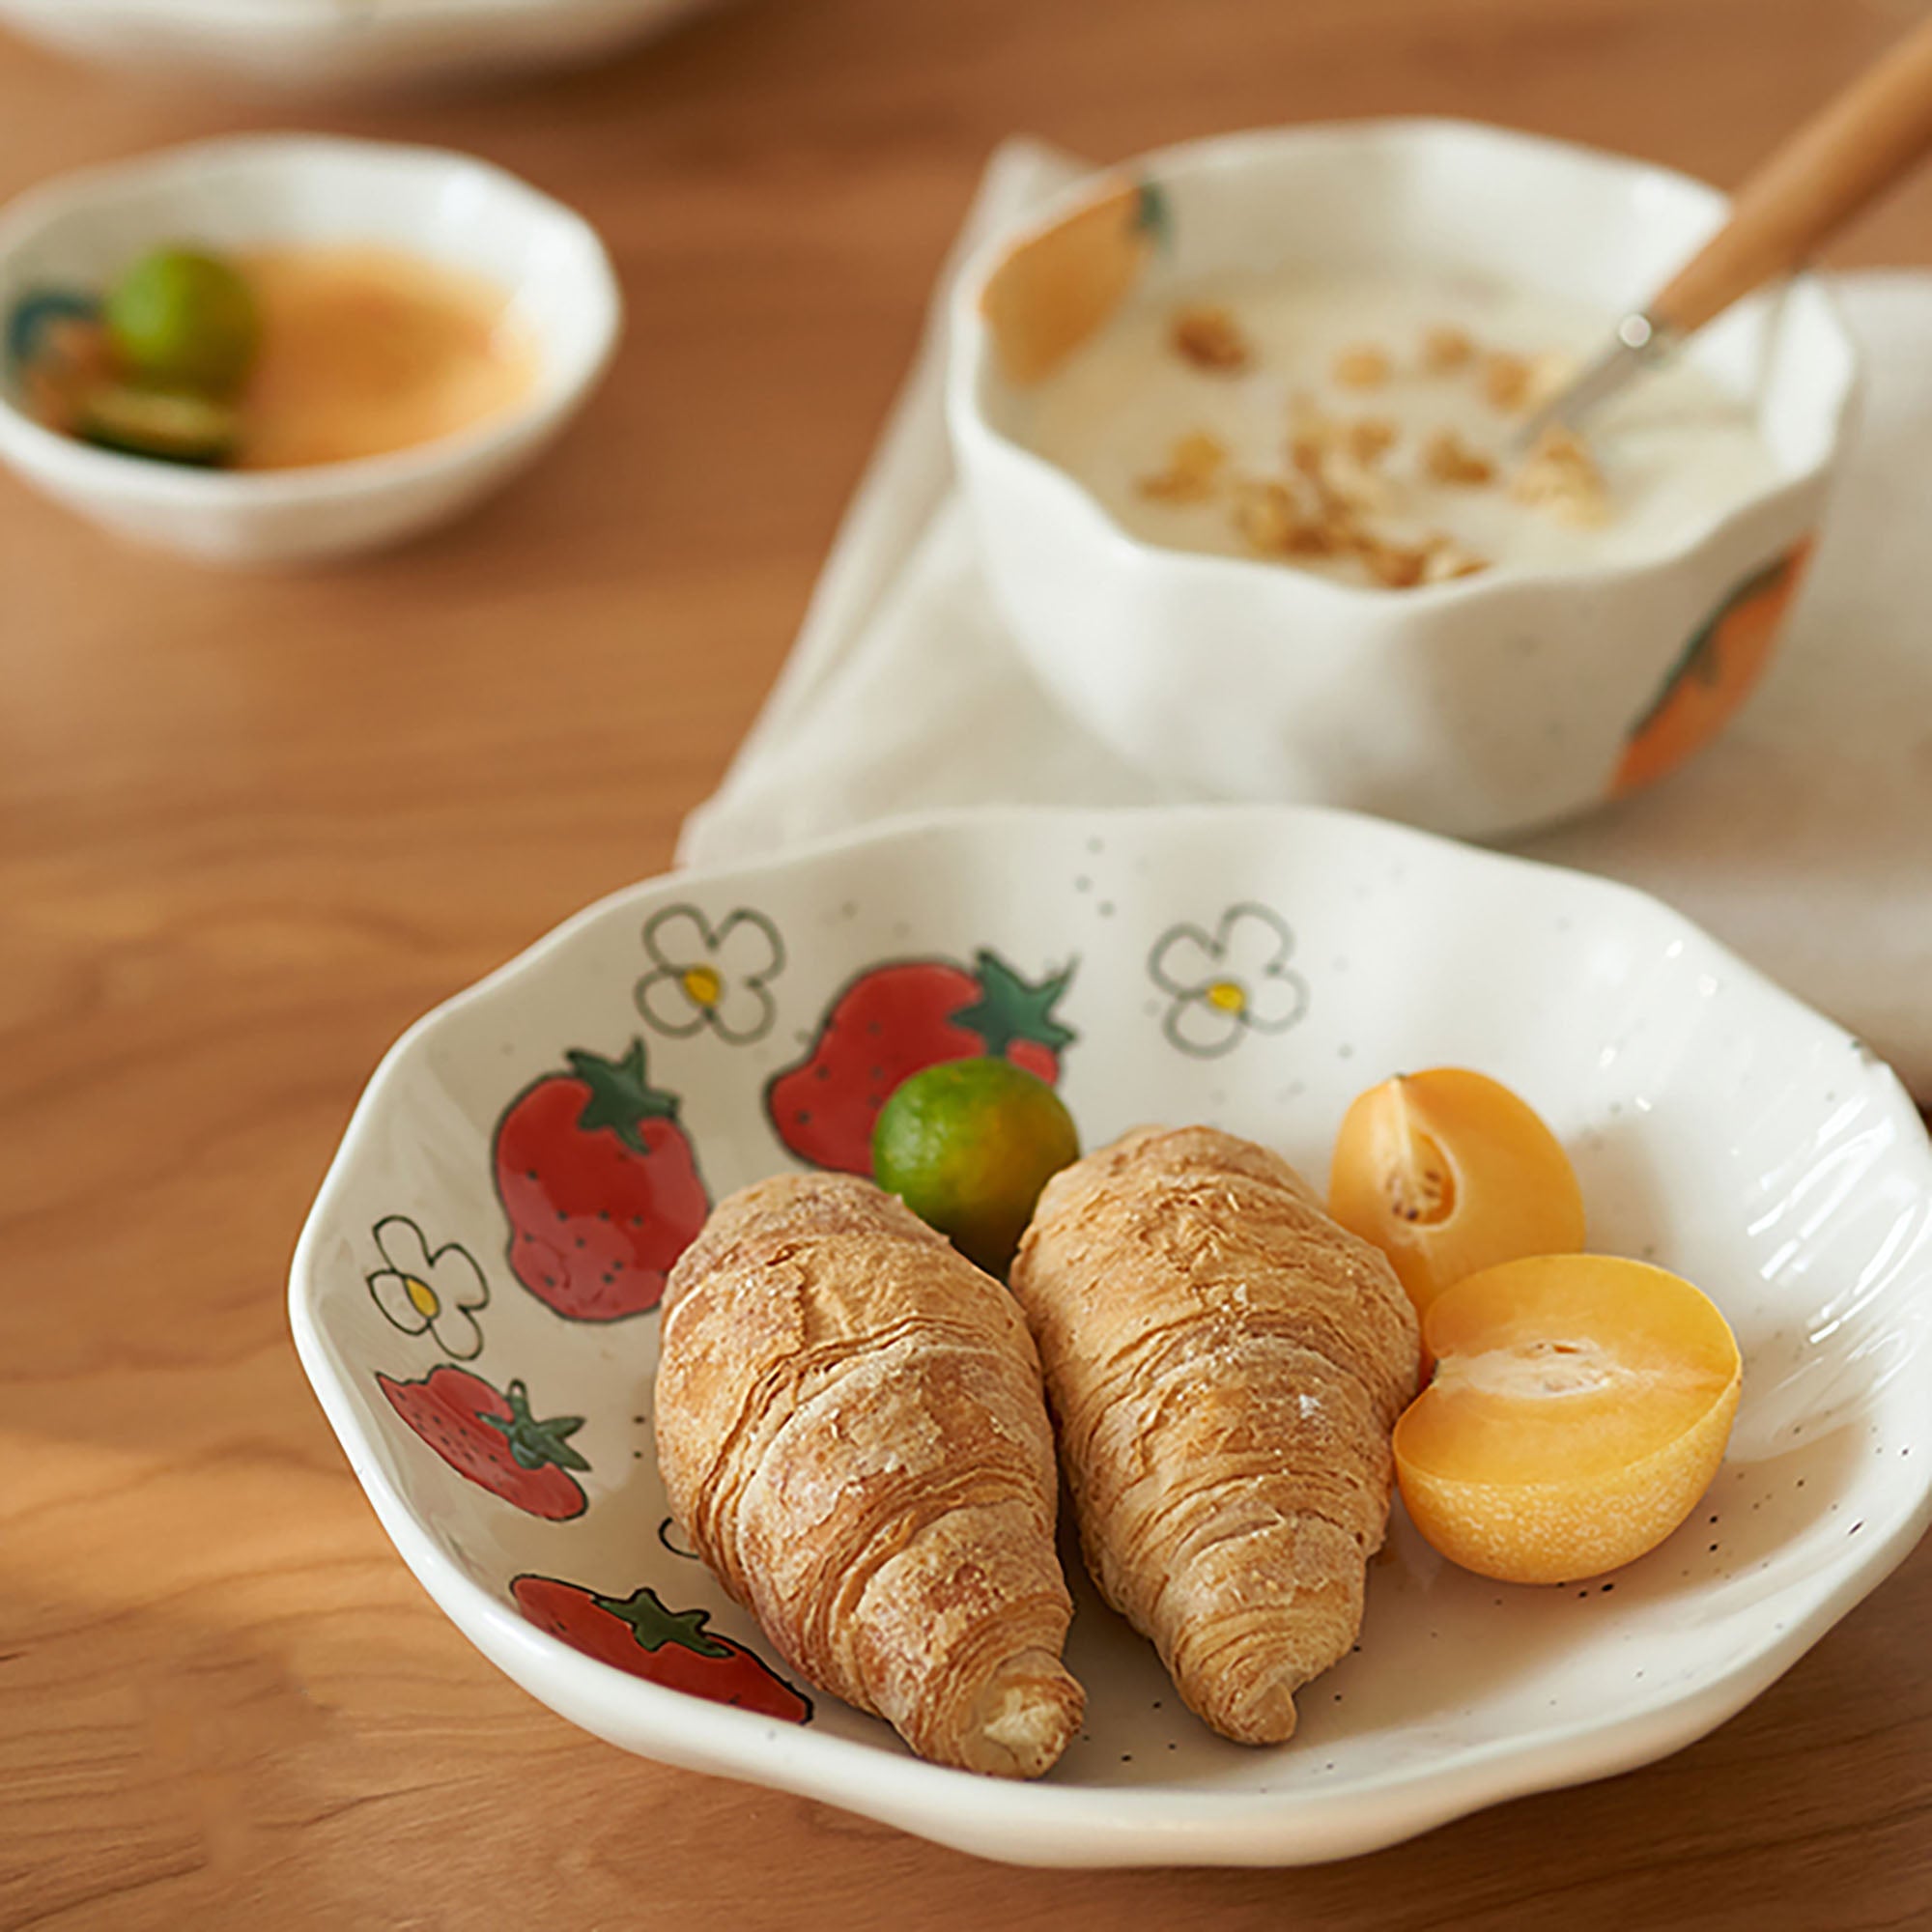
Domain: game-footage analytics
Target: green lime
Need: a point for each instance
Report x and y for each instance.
(967, 1146)
(186, 321)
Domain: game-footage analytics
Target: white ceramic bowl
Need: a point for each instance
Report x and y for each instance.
(1717, 1127)
(334, 45)
(1479, 706)
(81, 230)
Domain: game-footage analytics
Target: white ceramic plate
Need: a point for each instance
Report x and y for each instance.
(1719, 1127)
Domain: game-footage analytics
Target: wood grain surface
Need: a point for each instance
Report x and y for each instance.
(250, 828)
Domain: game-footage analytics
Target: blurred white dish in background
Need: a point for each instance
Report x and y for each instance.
(321, 44)
(81, 230)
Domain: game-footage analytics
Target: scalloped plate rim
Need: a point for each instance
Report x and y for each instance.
(1047, 1824)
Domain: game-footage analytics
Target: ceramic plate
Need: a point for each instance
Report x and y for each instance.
(472, 1295)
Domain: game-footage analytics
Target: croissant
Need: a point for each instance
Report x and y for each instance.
(853, 1433)
(1225, 1366)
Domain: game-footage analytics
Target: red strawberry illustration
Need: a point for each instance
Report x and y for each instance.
(492, 1438)
(891, 1022)
(668, 1647)
(601, 1185)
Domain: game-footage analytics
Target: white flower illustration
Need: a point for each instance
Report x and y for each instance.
(1232, 981)
(706, 978)
(429, 1289)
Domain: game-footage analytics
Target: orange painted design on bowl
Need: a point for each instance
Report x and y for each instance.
(1059, 285)
(1718, 669)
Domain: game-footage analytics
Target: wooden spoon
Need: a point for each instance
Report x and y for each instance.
(1846, 155)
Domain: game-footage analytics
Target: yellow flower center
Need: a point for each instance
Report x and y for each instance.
(1228, 995)
(422, 1297)
(702, 984)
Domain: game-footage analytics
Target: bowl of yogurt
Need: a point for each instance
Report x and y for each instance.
(1243, 427)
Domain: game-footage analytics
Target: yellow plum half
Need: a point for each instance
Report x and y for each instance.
(1580, 1407)
(1448, 1172)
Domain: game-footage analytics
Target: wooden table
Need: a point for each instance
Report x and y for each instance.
(250, 828)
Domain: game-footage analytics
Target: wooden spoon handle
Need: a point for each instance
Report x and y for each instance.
(1848, 153)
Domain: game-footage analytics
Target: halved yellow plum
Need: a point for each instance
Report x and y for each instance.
(1580, 1407)
(1448, 1172)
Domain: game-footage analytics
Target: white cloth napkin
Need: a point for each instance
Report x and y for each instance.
(1803, 839)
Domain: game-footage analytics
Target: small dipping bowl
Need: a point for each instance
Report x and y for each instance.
(81, 231)
(1479, 706)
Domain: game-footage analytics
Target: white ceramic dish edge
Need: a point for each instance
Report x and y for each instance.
(325, 45)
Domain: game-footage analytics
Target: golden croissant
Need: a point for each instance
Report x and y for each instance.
(1225, 1366)
(854, 1437)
